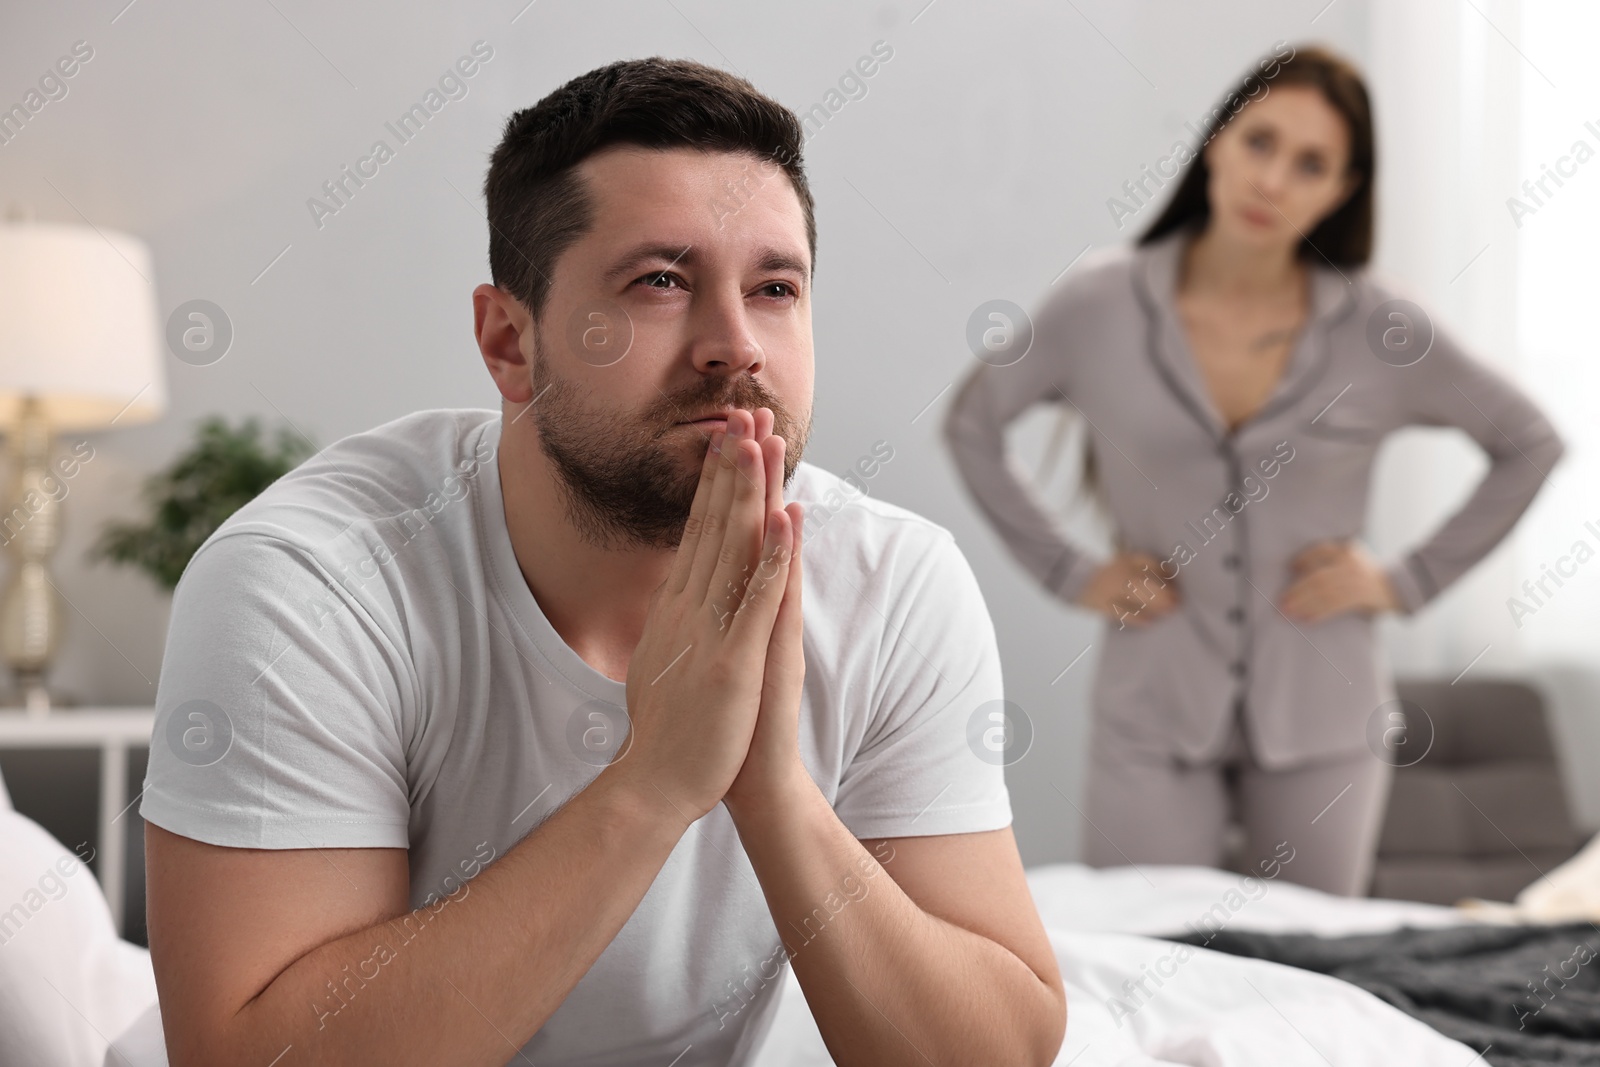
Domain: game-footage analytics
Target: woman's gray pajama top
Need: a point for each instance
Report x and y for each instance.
(1226, 512)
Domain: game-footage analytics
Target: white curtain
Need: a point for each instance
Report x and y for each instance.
(1472, 98)
(1558, 224)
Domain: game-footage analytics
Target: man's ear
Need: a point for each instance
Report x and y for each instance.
(499, 321)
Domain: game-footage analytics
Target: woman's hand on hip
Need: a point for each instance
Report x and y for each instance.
(1335, 577)
(1130, 590)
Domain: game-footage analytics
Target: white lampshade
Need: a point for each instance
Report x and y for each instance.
(79, 327)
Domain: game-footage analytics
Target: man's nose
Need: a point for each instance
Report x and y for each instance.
(723, 340)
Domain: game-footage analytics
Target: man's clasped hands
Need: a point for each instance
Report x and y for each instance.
(713, 688)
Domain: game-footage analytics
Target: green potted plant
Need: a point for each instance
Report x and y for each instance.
(223, 470)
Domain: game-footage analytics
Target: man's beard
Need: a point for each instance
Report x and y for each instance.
(627, 479)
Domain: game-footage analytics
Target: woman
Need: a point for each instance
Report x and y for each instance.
(1237, 370)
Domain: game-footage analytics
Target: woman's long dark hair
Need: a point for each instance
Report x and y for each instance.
(1344, 238)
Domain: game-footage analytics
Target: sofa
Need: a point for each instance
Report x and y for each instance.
(1484, 812)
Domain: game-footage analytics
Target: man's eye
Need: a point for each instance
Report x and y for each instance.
(783, 289)
(659, 279)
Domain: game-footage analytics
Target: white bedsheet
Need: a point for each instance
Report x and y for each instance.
(1166, 900)
(1194, 1007)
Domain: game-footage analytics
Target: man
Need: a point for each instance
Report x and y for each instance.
(496, 737)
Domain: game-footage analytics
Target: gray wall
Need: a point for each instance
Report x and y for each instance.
(977, 166)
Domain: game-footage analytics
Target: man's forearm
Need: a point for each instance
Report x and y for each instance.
(469, 980)
(887, 982)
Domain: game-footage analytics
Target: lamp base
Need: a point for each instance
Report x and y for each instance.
(29, 694)
(30, 623)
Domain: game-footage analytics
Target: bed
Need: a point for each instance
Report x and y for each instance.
(73, 995)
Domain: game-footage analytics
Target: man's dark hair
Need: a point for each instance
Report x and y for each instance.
(538, 205)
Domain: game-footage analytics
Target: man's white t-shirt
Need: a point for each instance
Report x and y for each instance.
(355, 660)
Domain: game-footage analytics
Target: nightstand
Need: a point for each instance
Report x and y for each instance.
(113, 731)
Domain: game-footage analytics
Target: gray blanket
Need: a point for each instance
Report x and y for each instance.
(1521, 995)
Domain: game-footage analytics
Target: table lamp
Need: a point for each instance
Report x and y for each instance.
(80, 350)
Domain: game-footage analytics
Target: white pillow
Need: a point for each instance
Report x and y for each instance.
(68, 983)
(1565, 894)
